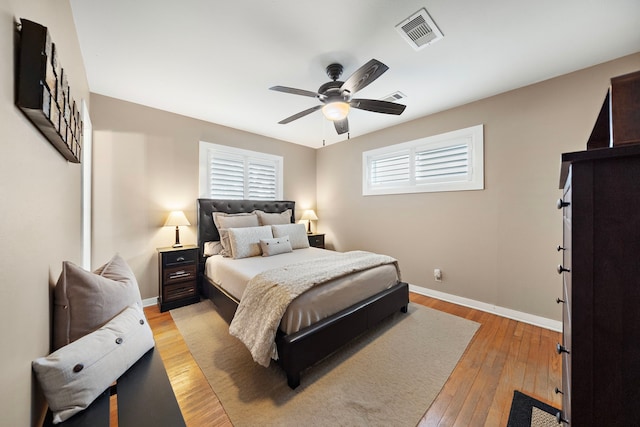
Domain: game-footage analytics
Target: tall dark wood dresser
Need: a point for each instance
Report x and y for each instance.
(600, 267)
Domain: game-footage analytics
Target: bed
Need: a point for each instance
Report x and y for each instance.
(305, 345)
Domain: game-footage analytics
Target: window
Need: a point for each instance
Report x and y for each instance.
(233, 173)
(451, 161)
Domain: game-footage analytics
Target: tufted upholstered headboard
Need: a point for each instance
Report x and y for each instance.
(207, 231)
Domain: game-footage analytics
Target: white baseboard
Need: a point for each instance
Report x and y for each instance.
(531, 319)
(149, 301)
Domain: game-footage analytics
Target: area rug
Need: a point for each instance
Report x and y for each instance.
(388, 376)
(529, 412)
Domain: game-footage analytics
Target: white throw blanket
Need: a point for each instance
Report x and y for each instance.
(269, 293)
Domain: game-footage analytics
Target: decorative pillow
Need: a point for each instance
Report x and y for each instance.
(212, 248)
(224, 221)
(274, 218)
(84, 301)
(297, 234)
(73, 376)
(245, 242)
(275, 246)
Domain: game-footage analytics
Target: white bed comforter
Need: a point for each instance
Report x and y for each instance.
(269, 293)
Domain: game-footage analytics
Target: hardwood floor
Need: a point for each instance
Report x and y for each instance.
(505, 355)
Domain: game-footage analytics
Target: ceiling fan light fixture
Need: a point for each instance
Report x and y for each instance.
(337, 110)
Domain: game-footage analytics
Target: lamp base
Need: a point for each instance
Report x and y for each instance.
(177, 244)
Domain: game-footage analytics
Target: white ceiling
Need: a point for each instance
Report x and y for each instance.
(215, 60)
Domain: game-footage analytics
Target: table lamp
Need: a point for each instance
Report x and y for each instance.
(309, 215)
(177, 218)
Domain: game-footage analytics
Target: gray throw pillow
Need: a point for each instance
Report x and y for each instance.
(84, 301)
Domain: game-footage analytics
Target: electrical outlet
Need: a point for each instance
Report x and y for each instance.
(437, 275)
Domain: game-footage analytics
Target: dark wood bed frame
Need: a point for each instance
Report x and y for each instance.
(302, 349)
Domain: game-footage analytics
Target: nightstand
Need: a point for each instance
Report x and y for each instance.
(177, 277)
(316, 240)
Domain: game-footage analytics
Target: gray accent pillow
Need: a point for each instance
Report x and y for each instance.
(245, 242)
(297, 234)
(274, 218)
(224, 221)
(84, 301)
(74, 375)
(275, 246)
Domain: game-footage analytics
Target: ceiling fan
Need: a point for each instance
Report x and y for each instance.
(336, 96)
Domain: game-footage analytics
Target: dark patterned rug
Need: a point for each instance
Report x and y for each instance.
(529, 412)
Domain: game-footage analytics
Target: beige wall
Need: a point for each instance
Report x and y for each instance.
(40, 214)
(146, 164)
(496, 245)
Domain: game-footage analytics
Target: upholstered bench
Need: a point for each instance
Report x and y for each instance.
(144, 398)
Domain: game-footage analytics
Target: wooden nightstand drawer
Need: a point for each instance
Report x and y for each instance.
(183, 257)
(179, 274)
(179, 291)
(316, 240)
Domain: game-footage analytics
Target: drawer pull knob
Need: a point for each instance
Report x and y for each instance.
(562, 204)
(560, 349)
(561, 269)
(558, 391)
(180, 258)
(558, 301)
(560, 248)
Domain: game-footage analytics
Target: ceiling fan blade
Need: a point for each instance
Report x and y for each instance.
(300, 114)
(378, 106)
(364, 75)
(294, 91)
(342, 126)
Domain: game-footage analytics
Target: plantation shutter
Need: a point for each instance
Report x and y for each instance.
(262, 180)
(226, 176)
(241, 176)
(446, 163)
(452, 161)
(388, 170)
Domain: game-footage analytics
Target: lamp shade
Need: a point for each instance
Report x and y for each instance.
(336, 110)
(177, 218)
(309, 215)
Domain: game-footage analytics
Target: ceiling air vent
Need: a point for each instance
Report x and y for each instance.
(395, 96)
(419, 30)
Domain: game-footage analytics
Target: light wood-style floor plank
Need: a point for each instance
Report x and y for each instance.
(505, 355)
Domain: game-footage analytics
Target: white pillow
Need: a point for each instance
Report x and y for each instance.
(74, 375)
(245, 242)
(224, 221)
(274, 218)
(212, 248)
(275, 246)
(297, 234)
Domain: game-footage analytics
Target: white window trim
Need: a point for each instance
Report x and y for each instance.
(204, 172)
(87, 165)
(472, 136)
